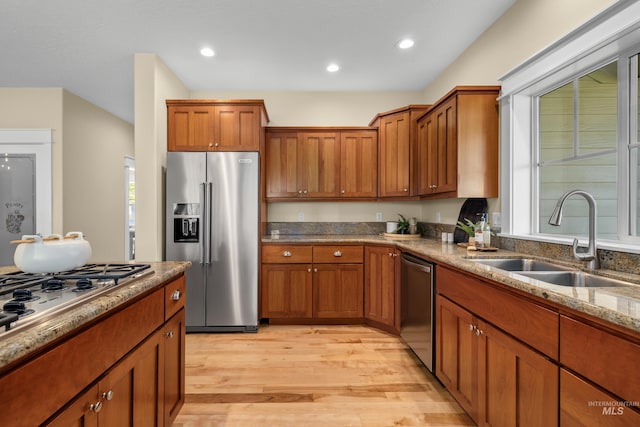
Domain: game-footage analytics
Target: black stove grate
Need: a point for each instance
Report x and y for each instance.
(19, 280)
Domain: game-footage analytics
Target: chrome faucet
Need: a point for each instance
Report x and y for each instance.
(591, 256)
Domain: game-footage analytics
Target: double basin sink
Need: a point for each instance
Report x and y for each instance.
(550, 273)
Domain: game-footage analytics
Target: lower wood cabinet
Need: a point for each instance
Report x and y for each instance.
(583, 404)
(381, 289)
(130, 394)
(287, 291)
(127, 369)
(311, 282)
(498, 380)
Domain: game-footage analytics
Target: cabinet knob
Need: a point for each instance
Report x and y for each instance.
(299, 191)
(471, 327)
(405, 189)
(315, 270)
(95, 407)
(211, 144)
(216, 144)
(175, 296)
(479, 332)
(390, 254)
(108, 395)
(286, 253)
(309, 270)
(169, 334)
(304, 192)
(337, 254)
(343, 191)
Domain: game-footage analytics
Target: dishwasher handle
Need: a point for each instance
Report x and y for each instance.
(422, 265)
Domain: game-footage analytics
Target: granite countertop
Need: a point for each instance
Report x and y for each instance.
(21, 342)
(617, 305)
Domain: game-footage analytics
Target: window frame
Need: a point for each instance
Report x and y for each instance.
(613, 35)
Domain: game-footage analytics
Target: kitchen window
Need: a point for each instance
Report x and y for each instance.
(569, 120)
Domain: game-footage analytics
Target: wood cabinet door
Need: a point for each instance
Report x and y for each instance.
(287, 290)
(83, 411)
(318, 164)
(517, 386)
(337, 290)
(281, 164)
(380, 285)
(237, 128)
(190, 128)
(445, 166)
(394, 155)
(584, 405)
(426, 154)
(174, 366)
(457, 354)
(132, 392)
(358, 164)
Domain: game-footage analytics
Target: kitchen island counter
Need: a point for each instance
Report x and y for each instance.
(617, 305)
(23, 342)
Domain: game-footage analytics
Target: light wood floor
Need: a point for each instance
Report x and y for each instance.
(306, 376)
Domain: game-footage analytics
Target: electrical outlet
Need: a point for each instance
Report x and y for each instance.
(378, 216)
(300, 216)
(496, 219)
(437, 217)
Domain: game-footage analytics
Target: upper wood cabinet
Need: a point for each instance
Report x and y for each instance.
(457, 153)
(208, 125)
(397, 133)
(359, 163)
(320, 163)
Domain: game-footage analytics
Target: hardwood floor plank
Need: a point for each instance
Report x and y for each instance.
(297, 376)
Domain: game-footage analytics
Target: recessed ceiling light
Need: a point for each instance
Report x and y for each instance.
(332, 68)
(207, 51)
(405, 43)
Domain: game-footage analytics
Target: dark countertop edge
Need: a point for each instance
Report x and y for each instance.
(18, 344)
(455, 256)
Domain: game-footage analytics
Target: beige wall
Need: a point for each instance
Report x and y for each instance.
(88, 152)
(525, 29)
(95, 145)
(154, 83)
(38, 108)
(296, 108)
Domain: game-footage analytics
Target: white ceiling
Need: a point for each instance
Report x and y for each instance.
(88, 46)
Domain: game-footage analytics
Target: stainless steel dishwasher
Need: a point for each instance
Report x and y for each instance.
(417, 317)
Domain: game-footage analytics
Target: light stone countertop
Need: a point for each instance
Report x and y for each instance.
(617, 305)
(19, 343)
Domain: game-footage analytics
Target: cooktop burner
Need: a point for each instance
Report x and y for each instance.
(25, 297)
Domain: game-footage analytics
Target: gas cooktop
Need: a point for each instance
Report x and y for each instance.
(25, 297)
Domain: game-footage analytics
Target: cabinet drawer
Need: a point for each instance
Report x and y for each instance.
(174, 296)
(338, 254)
(286, 254)
(582, 404)
(606, 359)
(529, 322)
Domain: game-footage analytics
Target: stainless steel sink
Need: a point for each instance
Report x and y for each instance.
(576, 279)
(520, 264)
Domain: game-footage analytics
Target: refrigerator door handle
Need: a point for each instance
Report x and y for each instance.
(207, 232)
(203, 226)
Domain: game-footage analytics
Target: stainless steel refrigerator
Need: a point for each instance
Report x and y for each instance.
(212, 214)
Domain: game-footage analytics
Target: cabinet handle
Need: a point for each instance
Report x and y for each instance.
(108, 395)
(286, 253)
(169, 334)
(95, 407)
(175, 296)
(337, 254)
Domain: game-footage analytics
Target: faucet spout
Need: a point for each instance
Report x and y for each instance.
(591, 255)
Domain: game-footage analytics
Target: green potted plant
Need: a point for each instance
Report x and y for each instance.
(468, 227)
(403, 225)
